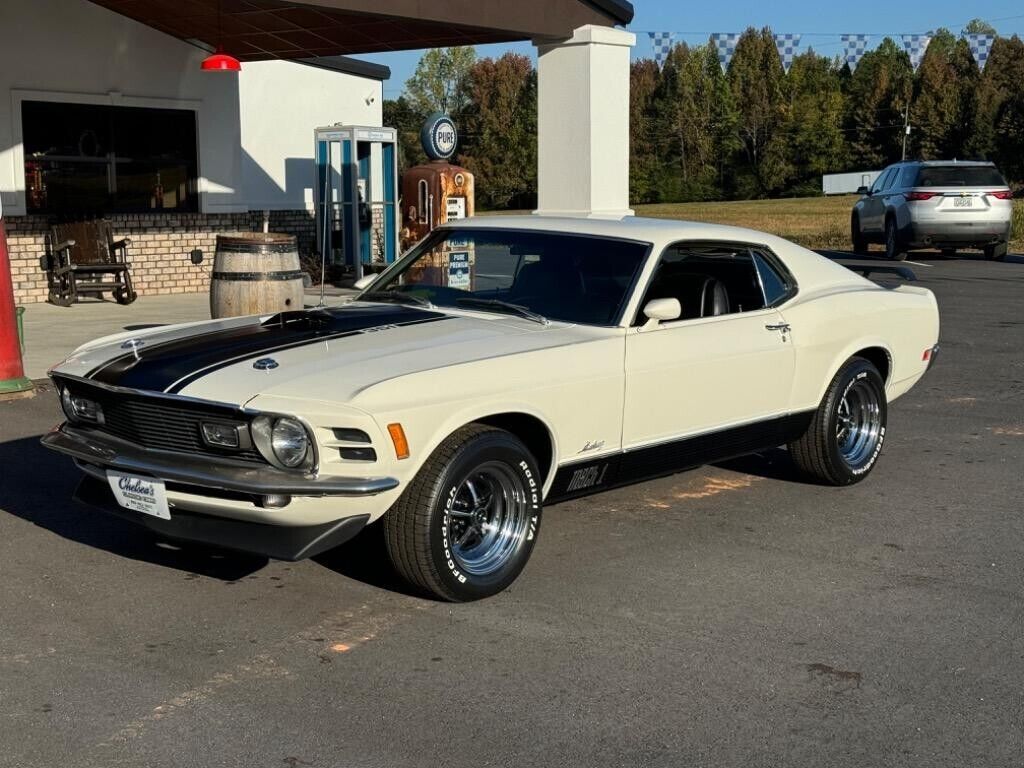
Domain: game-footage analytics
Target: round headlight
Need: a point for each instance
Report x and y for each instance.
(290, 442)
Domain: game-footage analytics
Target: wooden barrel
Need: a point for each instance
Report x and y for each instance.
(255, 274)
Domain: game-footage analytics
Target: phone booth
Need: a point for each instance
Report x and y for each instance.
(355, 196)
(438, 192)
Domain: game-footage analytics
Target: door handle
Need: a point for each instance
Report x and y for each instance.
(784, 327)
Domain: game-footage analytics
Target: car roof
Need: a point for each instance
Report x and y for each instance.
(624, 227)
(976, 163)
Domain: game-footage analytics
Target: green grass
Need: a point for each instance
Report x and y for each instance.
(814, 222)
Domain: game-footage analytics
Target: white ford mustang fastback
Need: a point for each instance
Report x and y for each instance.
(501, 364)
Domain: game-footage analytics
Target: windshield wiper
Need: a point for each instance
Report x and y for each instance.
(396, 296)
(503, 306)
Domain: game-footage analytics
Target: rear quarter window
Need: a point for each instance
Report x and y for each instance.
(959, 176)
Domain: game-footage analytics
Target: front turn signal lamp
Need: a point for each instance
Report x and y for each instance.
(398, 438)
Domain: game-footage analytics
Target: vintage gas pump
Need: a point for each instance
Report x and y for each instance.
(438, 192)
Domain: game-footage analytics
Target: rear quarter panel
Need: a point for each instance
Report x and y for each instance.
(831, 326)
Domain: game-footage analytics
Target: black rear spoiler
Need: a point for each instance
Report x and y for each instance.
(905, 273)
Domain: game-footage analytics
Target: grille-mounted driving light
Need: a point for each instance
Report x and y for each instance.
(222, 435)
(79, 409)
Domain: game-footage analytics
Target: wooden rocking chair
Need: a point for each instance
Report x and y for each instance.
(84, 260)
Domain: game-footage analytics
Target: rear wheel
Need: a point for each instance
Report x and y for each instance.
(996, 251)
(860, 243)
(466, 525)
(844, 439)
(894, 249)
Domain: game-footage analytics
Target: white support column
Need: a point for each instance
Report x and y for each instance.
(583, 124)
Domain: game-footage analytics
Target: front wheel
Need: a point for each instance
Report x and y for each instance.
(466, 525)
(844, 439)
(894, 249)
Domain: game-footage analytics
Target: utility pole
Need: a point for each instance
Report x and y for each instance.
(906, 128)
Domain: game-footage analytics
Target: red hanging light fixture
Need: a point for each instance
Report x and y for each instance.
(219, 61)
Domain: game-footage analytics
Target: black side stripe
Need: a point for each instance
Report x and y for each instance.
(173, 365)
(625, 468)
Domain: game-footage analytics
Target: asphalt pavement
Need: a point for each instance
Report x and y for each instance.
(729, 616)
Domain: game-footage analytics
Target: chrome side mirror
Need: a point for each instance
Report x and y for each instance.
(364, 281)
(658, 311)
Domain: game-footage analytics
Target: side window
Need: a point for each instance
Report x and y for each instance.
(909, 176)
(708, 279)
(775, 286)
(880, 182)
(890, 182)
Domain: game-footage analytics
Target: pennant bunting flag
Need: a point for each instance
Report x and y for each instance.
(915, 46)
(786, 46)
(980, 45)
(661, 42)
(856, 45)
(725, 44)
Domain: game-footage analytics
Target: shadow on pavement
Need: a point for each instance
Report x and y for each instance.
(365, 558)
(773, 464)
(38, 485)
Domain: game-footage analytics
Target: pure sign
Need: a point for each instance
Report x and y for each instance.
(444, 137)
(439, 137)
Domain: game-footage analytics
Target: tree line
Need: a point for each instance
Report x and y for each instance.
(698, 133)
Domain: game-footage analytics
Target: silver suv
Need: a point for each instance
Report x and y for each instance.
(934, 204)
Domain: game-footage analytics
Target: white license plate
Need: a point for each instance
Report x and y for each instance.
(963, 202)
(141, 494)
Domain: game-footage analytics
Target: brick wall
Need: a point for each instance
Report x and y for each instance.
(160, 247)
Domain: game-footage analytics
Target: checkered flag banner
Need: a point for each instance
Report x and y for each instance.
(980, 45)
(725, 44)
(786, 46)
(856, 45)
(661, 42)
(915, 46)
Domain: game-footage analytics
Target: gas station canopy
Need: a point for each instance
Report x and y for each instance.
(255, 30)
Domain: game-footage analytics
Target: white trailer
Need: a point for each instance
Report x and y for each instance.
(847, 183)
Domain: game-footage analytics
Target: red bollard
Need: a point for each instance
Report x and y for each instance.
(12, 371)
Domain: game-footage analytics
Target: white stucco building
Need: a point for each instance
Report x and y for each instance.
(103, 115)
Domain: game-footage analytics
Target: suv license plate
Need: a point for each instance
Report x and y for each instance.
(963, 202)
(140, 494)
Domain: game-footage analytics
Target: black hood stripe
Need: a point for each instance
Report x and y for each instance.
(173, 365)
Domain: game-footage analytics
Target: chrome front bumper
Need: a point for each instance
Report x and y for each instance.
(88, 447)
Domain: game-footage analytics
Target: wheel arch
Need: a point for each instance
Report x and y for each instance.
(874, 351)
(529, 426)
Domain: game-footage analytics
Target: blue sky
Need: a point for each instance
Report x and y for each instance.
(826, 19)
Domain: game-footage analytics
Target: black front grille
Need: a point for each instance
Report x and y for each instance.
(161, 424)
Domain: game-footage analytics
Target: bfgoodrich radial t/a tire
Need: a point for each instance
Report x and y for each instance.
(845, 437)
(466, 525)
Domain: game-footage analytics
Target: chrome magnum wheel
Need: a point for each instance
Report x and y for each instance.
(858, 423)
(488, 518)
(465, 526)
(845, 436)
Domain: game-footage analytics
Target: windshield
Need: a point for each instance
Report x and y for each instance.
(573, 278)
(959, 176)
